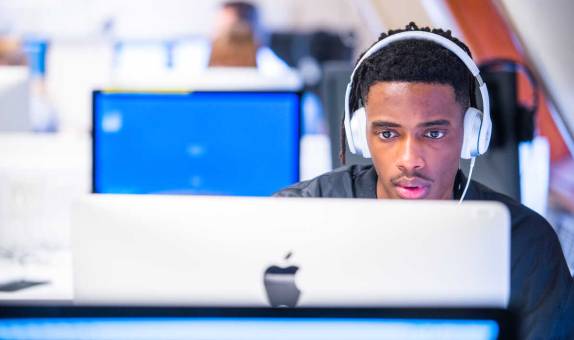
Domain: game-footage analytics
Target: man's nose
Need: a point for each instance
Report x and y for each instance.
(410, 157)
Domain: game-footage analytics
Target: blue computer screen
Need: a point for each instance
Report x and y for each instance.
(245, 328)
(212, 143)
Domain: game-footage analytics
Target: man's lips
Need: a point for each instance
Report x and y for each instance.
(412, 192)
(414, 188)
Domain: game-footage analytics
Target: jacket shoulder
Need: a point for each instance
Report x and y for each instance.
(540, 280)
(336, 183)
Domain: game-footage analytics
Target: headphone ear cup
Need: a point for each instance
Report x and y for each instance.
(470, 141)
(485, 134)
(359, 132)
(352, 132)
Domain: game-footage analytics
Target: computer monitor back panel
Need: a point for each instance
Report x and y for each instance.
(208, 251)
(217, 143)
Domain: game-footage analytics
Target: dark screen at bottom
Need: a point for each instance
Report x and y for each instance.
(245, 328)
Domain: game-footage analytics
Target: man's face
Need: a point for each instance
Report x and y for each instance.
(225, 18)
(414, 133)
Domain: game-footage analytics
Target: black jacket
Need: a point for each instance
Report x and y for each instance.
(540, 280)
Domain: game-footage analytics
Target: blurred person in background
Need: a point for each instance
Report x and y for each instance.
(238, 40)
(11, 52)
(234, 47)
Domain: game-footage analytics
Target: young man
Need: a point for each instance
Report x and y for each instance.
(416, 93)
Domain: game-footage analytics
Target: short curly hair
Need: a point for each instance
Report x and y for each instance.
(412, 61)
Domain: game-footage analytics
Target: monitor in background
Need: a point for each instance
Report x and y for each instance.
(218, 143)
(230, 323)
(14, 99)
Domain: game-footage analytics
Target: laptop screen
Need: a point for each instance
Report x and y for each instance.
(82, 323)
(214, 143)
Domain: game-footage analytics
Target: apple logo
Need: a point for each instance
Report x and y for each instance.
(280, 285)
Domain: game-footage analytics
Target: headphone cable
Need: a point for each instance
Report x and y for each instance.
(468, 179)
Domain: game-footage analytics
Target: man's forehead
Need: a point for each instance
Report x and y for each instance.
(395, 90)
(421, 99)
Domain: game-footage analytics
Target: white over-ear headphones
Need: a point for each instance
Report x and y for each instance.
(477, 123)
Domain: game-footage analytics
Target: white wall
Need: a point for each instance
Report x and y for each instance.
(157, 19)
(160, 18)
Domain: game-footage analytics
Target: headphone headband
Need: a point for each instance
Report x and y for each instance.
(422, 35)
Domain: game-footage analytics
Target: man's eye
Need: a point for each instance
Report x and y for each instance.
(435, 134)
(387, 134)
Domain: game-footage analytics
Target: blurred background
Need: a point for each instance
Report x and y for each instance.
(174, 96)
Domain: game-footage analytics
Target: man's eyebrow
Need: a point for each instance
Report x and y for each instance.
(384, 124)
(438, 122)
